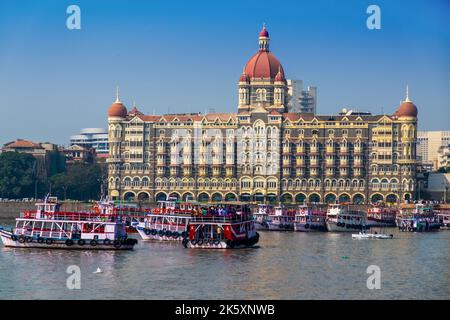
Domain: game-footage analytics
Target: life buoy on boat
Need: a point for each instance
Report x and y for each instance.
(69, 242)
(13, 237)
(200, 242)
(40, 240)
(21, 239)
(81, 242)
(154, 232)
(106, 241)
(117, 243)
(147, 231)
(49, 241)
(93, 242)
(306, 226)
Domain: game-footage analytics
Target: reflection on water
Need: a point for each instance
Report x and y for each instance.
(284, 266)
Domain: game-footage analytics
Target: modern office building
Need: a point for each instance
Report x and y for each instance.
(96, 138)
(263, 152)
(300, 100)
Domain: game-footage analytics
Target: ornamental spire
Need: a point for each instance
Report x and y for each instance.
(117, 95)
(407, 94)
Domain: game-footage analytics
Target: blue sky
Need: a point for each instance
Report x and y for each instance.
(186, 56)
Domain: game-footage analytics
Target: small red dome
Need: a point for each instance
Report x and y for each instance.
(244, 77)
(407, 109)
(117, 109)
(280, 76)
(264, 33)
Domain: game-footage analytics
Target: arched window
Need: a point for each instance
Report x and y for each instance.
(261, 94)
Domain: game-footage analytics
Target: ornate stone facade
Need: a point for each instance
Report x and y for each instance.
(263, 152)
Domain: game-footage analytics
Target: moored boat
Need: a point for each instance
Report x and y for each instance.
(417, 218)
(231, 228)
(281, 219)
(443, 214)
(168, 221)
(48, 227)
(444, 220)
(309, 219)
(261, 216)
(381, 216)
(341, 218)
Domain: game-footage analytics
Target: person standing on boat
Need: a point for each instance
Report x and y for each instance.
(219, 233)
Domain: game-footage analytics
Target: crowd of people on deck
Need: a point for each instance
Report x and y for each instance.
(218, 210)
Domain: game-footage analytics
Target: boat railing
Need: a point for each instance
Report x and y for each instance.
(230, 218)
(72, 216)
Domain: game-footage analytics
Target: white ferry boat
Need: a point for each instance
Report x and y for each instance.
(168, 221)
(443, 215)
(282, 219)
(261, 215)
(225, 226)
(444, 220)
(48, 227)
(340, 218)
(309, 219)
(417, 218)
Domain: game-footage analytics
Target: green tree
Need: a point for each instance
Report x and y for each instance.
(57, 163)
(17, 175)
(81, 181)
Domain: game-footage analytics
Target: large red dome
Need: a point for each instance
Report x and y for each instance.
(117, 109)
(263, 65)
(407, 109)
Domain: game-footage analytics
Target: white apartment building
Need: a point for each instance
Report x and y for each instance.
(428, 144)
